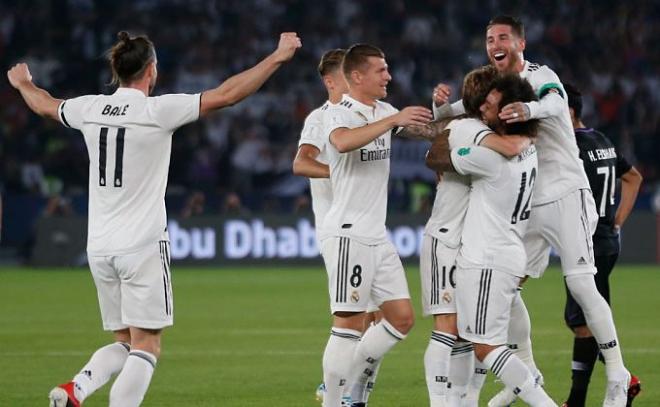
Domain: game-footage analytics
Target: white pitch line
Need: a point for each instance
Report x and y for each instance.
(265, 352)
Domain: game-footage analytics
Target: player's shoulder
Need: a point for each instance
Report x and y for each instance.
(85, 99)
(539, 74)
(386, 106)
(592, 138)
(467, 123)
(316, 115)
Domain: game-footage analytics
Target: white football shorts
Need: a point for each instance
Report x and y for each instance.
(483, 302)
(135, 289)
(437, 265)
(567, 225)
(360, 274)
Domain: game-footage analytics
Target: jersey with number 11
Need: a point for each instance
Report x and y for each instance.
(129, 139)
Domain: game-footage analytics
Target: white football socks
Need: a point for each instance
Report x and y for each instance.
(132, 383)
(436, 365)
(104, 363)
(460, 371)
(375, 343)
(515, 375)
(337, 363)
(600, 321)
(477, 381)
(519, 335)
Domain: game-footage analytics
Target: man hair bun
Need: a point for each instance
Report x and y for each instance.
(123, 36)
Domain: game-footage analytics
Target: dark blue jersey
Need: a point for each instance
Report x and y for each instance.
(603, 165)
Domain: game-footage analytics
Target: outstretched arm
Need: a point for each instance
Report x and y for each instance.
(305, 164)
(345, 139)
(425, 132)
(242, 85)
(630, 183)
(37, 99)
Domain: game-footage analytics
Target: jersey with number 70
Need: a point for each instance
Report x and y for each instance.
(129, 140)
(499, 208)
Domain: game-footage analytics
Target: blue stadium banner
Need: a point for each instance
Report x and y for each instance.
(272, 239)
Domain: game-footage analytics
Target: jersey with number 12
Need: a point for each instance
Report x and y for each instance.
(129, 140)
(499, 208)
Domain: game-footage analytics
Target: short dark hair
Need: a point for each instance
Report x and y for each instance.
(129, 57)
(331, 61)
(476, 86)
(516, 89)
(574, 99)
(357, 56)
(517, 27)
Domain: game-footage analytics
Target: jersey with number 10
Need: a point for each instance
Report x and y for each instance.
(499, 208)
(452, 193)
(129, 139)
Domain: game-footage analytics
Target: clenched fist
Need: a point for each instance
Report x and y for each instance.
(289, 43)
(19, 75)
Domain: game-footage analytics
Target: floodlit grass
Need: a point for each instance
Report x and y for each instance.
(255, 337)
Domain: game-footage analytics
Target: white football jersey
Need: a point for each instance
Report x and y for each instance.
(129, 140)
(320, 188)
(359, 178)
(560, 168)
(499, 208)
(452, 193)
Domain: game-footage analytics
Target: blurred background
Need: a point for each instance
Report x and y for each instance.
(231, 195)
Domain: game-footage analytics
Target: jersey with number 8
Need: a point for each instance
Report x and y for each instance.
(129, 139)
(499, 208)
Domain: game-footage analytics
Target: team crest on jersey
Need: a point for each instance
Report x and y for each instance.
(464, 151)
(446, 298)
(355, 296)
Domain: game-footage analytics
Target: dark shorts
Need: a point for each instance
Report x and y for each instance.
(573, 314)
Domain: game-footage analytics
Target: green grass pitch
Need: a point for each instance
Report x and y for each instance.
(255, 336)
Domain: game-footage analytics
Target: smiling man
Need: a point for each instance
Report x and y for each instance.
(361, 262)
(564, 212)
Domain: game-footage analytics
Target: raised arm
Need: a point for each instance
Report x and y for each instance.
(242, 85)
(630, 183)
(345, 139)
(37, 99)
(305, 164)
(442, 109)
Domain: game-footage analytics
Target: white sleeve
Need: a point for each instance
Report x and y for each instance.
(465, 132)
(447, 110)
(312, 133)
(476, 161)
(175, 110)
(550, 92)
(552, 104)
(71, 111)
(335, 118)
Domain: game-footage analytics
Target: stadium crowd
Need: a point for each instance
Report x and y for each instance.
(242, 157)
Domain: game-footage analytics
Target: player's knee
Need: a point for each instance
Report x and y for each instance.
(445, 323)
(403, 322)
(146, 341)
(582, 331)
(482, 350)
(584, 291)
